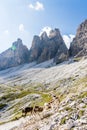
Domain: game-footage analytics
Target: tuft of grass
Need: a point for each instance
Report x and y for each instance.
(81, 113)
(45, 98)
(8, 97)
(83, 95)
(23, 94)
(77, 59)
(68, 109)
(63, 121)
(12, 96)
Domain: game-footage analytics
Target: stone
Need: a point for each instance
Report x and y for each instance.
(84, 100)
(70, 124)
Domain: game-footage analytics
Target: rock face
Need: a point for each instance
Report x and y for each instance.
(47, 47)
(62, 53)
(16, 55)
(43, 48)
(78, 47)
(36, 48)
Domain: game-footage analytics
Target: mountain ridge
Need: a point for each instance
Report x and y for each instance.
(46, 47)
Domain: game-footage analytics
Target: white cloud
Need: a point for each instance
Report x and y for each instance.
(37, 6)
(47, 30)
(68, 39)
(21, 28)
(31, 6)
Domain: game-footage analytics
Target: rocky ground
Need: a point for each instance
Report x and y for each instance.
(72, 116)
(34, 84)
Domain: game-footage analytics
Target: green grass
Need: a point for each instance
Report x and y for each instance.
(63, 121)
(77, 59)
(81, 113)
(45, 97)
(68, 109)
(19, 92)
(83, 95)
(17, 116)
(8, 97)
(12, 96)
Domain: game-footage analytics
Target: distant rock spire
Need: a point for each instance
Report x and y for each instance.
(78, 46)
(16, 55)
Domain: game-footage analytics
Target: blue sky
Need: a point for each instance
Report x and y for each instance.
(25, 18)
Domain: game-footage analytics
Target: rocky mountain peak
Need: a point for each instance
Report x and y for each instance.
(16, 55)
(82, 28)
(46, 47)
(78, 47)
(54, 33)
(17, 43)
(35, 42)
(44, 36)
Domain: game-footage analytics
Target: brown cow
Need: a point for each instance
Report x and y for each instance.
(38, 109)
(26, 110)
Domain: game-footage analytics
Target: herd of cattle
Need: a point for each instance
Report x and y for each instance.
(53, 104)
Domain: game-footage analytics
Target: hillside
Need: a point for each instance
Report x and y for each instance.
(50, 74)
(31, 84)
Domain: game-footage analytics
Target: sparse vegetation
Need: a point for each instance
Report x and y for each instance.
(83, 95)
(68, 109)
(2, 106)
(63, 121)
(81, 113)
(77, 59)
(70, 89)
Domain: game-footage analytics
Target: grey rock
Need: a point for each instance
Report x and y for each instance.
(81, 105)
(36, 49)
(48, 47)
(84, 100)
(70, 124)
(80, 122)
(75, 116)
(78, 47)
